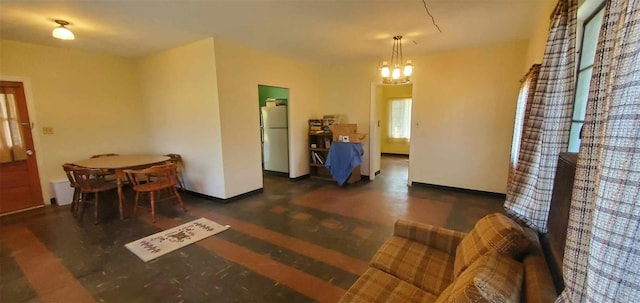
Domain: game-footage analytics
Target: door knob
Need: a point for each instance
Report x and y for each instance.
(29, 152)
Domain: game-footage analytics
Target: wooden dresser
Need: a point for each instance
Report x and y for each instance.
(554, 241)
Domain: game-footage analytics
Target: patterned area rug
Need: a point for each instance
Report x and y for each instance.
(164, 242)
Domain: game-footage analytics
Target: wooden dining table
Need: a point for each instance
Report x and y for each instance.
(118, 164)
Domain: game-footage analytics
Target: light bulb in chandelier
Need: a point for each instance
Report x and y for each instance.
(408, 69)
(62, 32)
(385, 69)
(396, 73)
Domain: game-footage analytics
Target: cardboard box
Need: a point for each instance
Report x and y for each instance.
(346, 133)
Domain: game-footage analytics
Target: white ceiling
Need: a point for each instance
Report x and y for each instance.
(321, 31)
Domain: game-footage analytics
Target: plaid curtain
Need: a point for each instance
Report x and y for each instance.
(602, 254)
(546, 130)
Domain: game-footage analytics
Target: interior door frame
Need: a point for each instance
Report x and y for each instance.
(290, 156)
(374, 129)
(35, 135)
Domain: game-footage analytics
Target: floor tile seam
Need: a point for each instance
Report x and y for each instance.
(369, 240)
(332, 215)
(300, 246)
(360, 221)
(16, 276)
(339, 276)
(369, 220)
(44, 290)
(263, 265)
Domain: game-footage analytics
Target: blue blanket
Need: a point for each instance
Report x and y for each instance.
(343, 157)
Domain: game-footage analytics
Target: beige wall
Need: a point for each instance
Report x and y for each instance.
(538, 40)
(240, 71)
(180, 96)
(463, 107)
(390, 92)
(463, 111)
(91, 100)
(347, 90)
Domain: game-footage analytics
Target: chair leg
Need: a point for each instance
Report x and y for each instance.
(135, 204)
(175, 192)
(75, 202)
(180, 184)
(95, 207)
(83, 198)
(153, 207)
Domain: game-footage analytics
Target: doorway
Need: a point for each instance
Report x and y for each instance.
(391, 109)
(19, 178)
(274, 129)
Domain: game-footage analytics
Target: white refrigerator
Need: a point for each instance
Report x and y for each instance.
(275, 141)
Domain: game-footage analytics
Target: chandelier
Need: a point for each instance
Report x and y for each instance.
(393, 76)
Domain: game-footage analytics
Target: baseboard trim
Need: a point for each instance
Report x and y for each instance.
(300, 178)
(227, 200)
(395, 155)
(459, 189)
(21, 210)
(276, 173)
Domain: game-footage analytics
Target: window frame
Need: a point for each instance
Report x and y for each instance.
(579, 70)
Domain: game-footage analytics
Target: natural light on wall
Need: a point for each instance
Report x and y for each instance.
(399, 120)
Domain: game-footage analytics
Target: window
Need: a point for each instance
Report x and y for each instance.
(585, 68)
(400, 119)
(11, 139)
(525, 98)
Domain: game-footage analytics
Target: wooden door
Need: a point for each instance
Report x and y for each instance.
(19, 178)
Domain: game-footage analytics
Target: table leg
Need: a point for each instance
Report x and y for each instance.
(119, 177)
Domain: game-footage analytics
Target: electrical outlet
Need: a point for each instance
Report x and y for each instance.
(47, 130)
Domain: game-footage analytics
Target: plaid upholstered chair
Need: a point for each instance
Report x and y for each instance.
(497, 261)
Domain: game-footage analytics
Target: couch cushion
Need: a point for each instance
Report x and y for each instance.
(425, 267)
(493, 232)
(377, 286)
(539, 286)
(491, 278)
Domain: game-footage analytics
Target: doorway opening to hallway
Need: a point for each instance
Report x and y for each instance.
(274, 129)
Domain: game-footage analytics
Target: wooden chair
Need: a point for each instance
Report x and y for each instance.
(68, 169)
(177, 160)
(155, 180)
(90, 182)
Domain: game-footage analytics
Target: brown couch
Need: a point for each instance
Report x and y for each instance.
(497, 261)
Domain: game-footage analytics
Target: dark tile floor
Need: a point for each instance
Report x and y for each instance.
(296, 242)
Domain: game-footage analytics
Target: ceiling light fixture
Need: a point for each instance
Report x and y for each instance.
(397, 62)
(62, 32)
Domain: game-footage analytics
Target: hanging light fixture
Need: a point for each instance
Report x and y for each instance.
(398, 76)
(62, 32)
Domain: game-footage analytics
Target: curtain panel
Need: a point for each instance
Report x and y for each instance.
(546, 129)
(602, 253)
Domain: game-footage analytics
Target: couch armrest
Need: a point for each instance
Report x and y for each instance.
(440, 238)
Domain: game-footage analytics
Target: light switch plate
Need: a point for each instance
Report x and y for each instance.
(47, 130)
